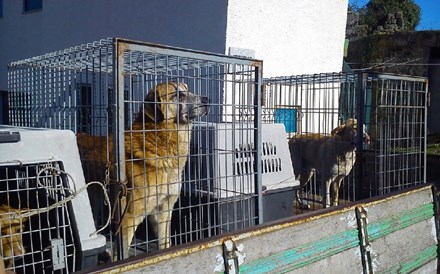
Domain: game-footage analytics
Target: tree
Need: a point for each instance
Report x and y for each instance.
(382, 16)
(377, 12)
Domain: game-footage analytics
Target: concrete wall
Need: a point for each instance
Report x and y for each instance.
(196, 24)
(291, 37)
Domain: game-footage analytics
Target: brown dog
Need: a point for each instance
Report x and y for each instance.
(332, 157)
(156, 150)
(11, 230)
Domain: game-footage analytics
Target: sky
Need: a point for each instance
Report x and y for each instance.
(430, 17)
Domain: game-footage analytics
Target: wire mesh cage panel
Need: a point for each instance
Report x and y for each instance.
(386, 153)
(140, 111)
(395, 109)
(44, 242)
(309, 103)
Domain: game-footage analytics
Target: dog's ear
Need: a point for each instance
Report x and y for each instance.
(338, 130)
(350, 123)
(152, 109)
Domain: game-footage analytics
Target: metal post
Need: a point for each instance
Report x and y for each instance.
(436, 202)
(425, 129)
(118, 134)
(258, 143)
(364, 243)
(360, 91)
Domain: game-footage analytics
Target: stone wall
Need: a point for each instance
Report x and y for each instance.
(408, 53)
(394, 22)
(354, 28)
(400, 52)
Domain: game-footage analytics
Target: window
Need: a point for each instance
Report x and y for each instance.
(1, 8)
(31, 5)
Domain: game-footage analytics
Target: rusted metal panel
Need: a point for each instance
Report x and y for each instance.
(429, 268)
(414, 262)
(401, 231)
(305, 245)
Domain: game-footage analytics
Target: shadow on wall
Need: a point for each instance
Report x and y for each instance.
(4, 107)
(432, 170)
(434, 90)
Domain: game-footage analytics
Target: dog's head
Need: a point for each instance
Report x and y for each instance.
(348, 131)
(173, 102)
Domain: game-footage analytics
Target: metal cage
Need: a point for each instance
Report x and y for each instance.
(140, 114)
(103, 92)
(392, 108)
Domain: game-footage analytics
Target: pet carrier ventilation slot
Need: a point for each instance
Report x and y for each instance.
(220, 186)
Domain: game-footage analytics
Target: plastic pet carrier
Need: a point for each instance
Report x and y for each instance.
(45, 216)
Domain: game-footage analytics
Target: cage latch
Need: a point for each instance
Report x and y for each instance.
(233, 256)
(362, 221)
(58, 257)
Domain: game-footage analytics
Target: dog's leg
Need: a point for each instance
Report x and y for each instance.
(328, 184)
(128, 228)
(161, 221)
(133, 217)
(336, 184)
(164, 233)
(127, 235)
(303, 178)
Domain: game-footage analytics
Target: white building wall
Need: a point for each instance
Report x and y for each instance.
(291, 37)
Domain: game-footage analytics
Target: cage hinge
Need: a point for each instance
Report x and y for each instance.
(58, 257)
(428, 99)
(233, 256)
(263, 95)
(362, 221)
(436, 202)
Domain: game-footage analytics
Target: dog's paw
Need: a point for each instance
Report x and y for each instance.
(104, 257)
(304, 206)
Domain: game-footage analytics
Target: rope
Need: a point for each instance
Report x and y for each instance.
(74, 193)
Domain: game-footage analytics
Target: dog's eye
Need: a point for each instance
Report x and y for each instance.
(181, 96)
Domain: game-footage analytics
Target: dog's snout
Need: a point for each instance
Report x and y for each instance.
(205, 100)
(366, 138)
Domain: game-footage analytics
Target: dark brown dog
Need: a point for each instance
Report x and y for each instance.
(331, 156)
